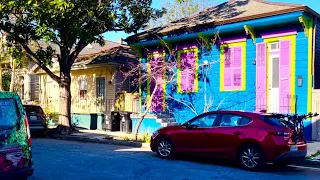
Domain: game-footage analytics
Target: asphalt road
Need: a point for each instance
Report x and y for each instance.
(57, 159)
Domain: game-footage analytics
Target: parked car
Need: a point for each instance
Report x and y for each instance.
(37, 118)
(15, 139)
(251, 139)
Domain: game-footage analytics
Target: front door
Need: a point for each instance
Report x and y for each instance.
(273, 83)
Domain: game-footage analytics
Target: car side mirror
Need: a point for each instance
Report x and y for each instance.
(188, 125)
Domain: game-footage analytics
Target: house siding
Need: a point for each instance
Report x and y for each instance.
(316, 80)
(302, 71)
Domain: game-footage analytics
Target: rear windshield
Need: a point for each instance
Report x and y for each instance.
(33, 109)
(273, 121)
(9, 114)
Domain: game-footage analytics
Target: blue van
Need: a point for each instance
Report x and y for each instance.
(15, 139)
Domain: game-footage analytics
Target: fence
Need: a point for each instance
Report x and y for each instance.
(287, 104)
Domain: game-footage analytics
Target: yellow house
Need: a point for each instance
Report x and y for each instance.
(97, 86)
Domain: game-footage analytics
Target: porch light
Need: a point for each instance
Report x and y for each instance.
(205, 62)
(300, 81)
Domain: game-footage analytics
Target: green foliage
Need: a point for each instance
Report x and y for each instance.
(70, 23)
(6, 79)
(67, 26)
(178, 9)
(146, 137)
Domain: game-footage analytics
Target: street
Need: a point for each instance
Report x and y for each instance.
(57, 159)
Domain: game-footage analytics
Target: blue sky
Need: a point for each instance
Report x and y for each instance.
(314, 4)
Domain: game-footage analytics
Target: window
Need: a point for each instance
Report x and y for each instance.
(9, 114)
(188, 70)
(101, 88)
(156, 61)
(205, 121)
(273, 121)
(274, 46)
(232, 64)
(33, 109)
(83, 89)
(275, 72)
(234, 120)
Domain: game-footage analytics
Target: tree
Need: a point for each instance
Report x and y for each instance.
(153, 73)
(71, 25)
(178, 9)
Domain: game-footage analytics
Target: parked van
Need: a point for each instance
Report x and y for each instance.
(15, 139)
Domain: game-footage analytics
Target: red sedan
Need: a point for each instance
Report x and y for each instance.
(252, 139)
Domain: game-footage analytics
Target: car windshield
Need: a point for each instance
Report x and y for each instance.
(9, 115)
(273, 121)
(33, 109)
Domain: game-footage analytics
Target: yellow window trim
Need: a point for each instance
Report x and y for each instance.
(154, 55)
(195, 50)
(243, 65)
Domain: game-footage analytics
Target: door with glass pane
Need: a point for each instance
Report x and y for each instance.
(273, 83)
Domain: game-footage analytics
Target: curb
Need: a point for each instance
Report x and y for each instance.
(309, 163)
(102, 141)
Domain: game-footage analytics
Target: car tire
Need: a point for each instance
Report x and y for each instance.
(251, 157)
(164, 148)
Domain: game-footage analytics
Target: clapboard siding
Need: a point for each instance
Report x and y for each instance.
(317, 58)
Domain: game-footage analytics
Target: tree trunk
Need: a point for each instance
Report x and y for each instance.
(64, 127)
(148, 105)
(13, 74)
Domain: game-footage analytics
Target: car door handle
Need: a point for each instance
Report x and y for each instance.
(205, 134)
(238, 133)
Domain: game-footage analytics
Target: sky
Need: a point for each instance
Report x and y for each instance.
(313, 4)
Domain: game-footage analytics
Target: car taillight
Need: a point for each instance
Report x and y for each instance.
(279, 133)
(28, 131)
(44, 116)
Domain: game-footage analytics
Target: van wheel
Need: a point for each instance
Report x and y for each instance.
(251, 157)
(164, 148)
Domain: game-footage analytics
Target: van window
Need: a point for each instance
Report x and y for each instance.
(9, 115)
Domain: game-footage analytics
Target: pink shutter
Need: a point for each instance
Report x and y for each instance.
(261, 77)
(187, 63)
(237, 67)
(157, 100)
(284, 84)
(227, 69)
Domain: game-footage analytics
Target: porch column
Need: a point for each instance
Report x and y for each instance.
(27, 87)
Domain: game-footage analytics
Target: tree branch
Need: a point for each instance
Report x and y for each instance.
(37, 60)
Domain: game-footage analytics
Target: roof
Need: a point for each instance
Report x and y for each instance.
(117, 55)
(228, 12)
(92, 48)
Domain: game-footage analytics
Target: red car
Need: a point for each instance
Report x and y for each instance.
(252, 139)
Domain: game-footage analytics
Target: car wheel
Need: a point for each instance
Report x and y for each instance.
(164, 148)
(251, 157)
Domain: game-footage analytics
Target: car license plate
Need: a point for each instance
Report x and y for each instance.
(33, 118)
(294, 148)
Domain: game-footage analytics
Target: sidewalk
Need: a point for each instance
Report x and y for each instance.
(105, 137)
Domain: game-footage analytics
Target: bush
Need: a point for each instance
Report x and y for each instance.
(146, 137)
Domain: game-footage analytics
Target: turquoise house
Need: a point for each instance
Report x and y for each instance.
(248, 55)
